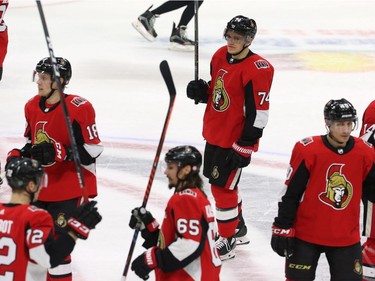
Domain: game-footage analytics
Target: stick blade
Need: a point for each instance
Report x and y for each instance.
(166, 73)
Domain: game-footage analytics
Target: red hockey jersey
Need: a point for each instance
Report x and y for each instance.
(238, 100)
(47, 124)
(368, 124)
(188, 240)
(324, 190)
(367, 133)
(3, 31)
(24, 230)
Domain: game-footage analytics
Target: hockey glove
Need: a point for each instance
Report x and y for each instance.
(197, 91)
(145, 263)
(282, 241)
(239, 156)
(23, 152)
(143, 220)
(49, 153)
(85, 218)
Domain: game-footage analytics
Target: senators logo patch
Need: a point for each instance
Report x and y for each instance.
(220, 98)
(61, 220)
(357, 267)
(339, 190)
(215, 173)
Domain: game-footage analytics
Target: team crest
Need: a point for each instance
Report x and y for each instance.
(357, 267)
(41, 134)
(61, 220)
(215, 172)
(339, 191)
(220, 98)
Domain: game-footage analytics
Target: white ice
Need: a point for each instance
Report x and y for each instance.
(320, 49)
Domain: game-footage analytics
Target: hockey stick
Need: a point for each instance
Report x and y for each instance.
(56, 73)
(166, 73)
(196, 39)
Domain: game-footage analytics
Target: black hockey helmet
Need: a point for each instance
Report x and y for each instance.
(63, 66)
(185, 155)
(341, 109)
(242, 25)
(19, 171)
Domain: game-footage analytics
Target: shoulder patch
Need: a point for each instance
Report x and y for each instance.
(188, 192)
(261, 64)
(307, 141)
(77, 101)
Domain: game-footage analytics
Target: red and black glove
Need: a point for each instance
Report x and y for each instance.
(49, 153)
(143, 220)
(85, 218)
(145, 263)
(239, 156)
(15, 153)
(282, 241)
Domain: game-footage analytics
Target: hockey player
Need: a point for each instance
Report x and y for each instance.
(3, 34)
(237, 100)
(368, 252)
(48, 142)
(27, 240)
(178, 39)
(320, 210)
(183, 247)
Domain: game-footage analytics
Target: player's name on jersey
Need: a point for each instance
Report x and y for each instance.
(5, 226)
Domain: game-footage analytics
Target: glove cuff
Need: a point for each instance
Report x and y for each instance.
(153, 226)
(150, 257)
(284, 232)
(60, 152)
(81, 230)
(244, 151)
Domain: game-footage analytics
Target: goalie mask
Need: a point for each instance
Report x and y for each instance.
(185, 155)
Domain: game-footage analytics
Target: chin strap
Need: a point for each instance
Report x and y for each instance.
(245, 46)
(334, 139)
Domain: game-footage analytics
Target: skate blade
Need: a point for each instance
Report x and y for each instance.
(141, 29)
(228, 256)
(243, 240)
(180, 48)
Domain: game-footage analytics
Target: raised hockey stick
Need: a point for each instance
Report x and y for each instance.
(56, 73)
(166, 73)
(196, 39)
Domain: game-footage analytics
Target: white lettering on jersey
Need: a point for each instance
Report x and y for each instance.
(5, 226)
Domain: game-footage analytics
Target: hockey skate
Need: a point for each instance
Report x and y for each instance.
(240, 234)
(179, 40)
(145, 25)
(225, 247)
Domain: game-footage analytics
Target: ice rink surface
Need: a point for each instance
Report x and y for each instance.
(320, 50)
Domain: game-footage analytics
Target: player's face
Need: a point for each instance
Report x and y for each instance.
(44, 81)
(341, 130)
(171, 171)
(235, 42)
